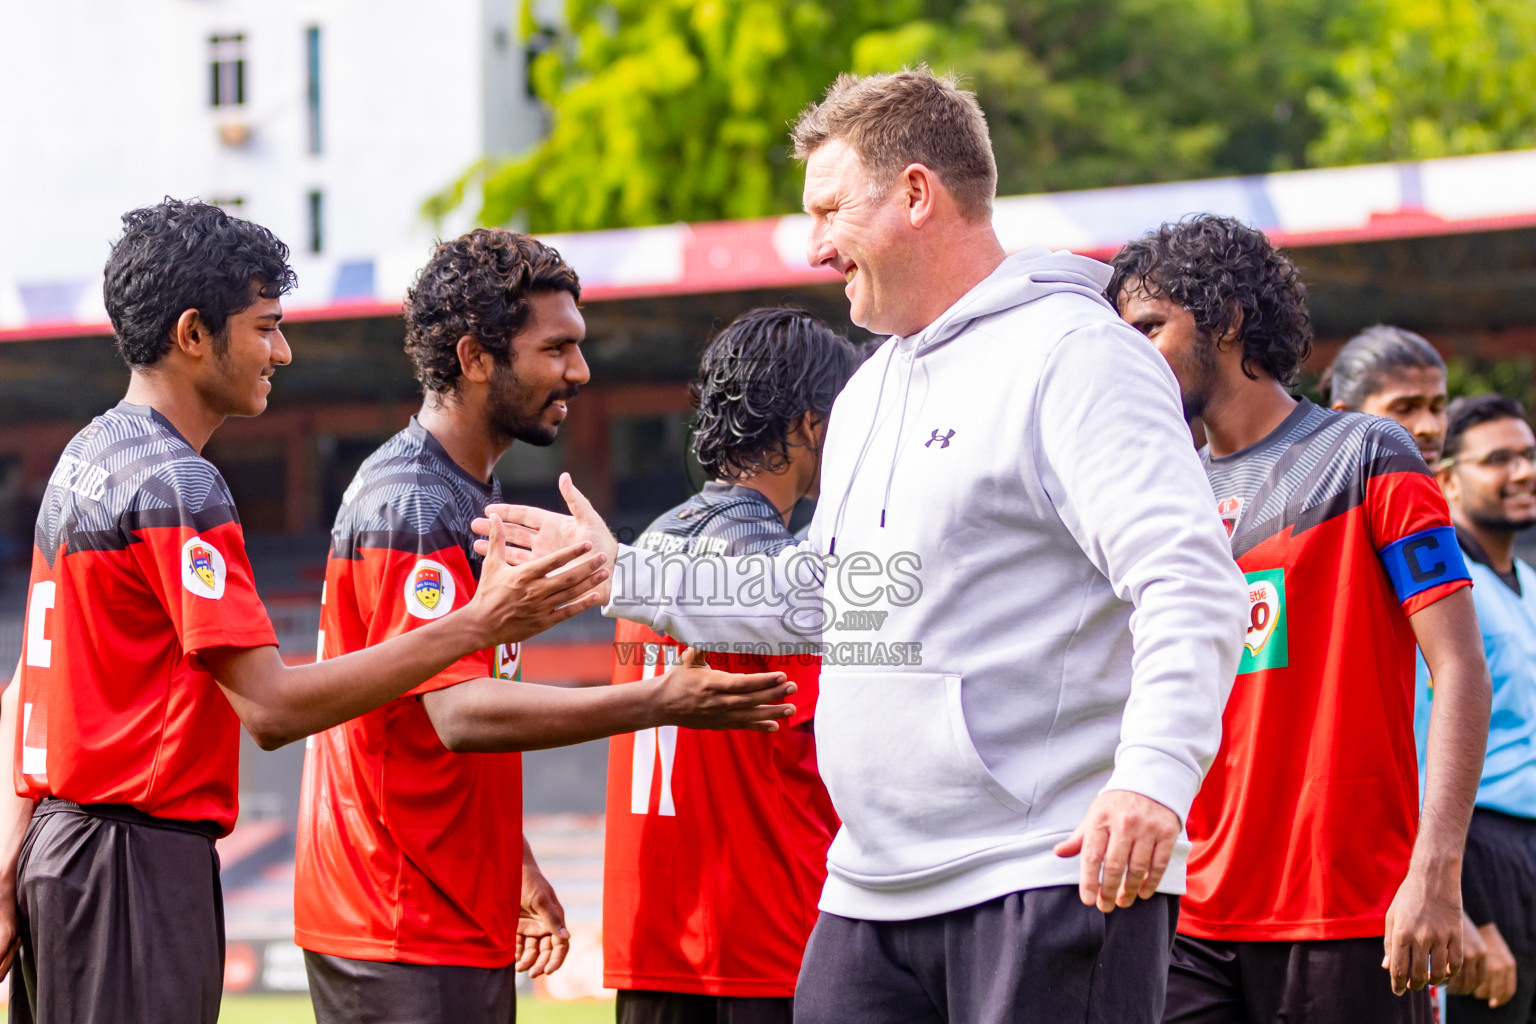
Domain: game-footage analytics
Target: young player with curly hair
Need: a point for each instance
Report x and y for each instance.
(416, 897)
(1311, 858)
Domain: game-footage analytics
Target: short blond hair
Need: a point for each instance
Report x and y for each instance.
(907, 117)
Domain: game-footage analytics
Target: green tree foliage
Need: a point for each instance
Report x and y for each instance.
(1111, 92)
(667, 110)
(1429, 78)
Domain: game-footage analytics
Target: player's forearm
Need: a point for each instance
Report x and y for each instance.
(15, 811)
(279, 704)
(498, 715)
(722, 599)
(1458, 735)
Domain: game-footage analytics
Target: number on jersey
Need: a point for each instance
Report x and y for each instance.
(655, 744)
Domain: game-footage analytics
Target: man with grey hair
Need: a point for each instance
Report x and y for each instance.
(1014, 516)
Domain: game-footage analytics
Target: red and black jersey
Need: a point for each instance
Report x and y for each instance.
(138, 564)
(716, 843)
(407, 852)
(1306, 821)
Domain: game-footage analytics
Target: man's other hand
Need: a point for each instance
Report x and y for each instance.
(1126, 842)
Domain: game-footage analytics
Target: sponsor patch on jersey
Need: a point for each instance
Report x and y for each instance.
(202, 569)
(429, 590)
(1229, 509)
(509, 661)
(1267, 643)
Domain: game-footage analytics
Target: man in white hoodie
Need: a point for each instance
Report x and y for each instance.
(1013, 515)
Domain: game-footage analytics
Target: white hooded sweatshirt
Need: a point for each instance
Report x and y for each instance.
(1045, 603)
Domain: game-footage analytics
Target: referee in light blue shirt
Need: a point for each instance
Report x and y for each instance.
(1488, 474)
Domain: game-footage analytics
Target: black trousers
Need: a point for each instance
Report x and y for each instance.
(1033, 957)
(637, 1006)
(1498, 884)
(120, 918)
(1334, 981)
(347, 991)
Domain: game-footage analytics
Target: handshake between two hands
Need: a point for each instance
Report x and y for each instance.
(538, 571)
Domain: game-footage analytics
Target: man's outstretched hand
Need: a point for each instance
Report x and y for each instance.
(519, 598)
(535, 532)
(693, 695)
(1127, 842)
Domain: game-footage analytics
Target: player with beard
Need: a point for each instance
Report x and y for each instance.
(405, 899)
(1311, 858)
(1387, 371)
(1489, 481)
(688, 937)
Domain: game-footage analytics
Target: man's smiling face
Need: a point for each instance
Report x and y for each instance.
(859, 236)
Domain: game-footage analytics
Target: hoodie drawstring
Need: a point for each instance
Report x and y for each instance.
(869, 435)
(901, 424)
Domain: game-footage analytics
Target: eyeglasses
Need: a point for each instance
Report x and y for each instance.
(1499, 458)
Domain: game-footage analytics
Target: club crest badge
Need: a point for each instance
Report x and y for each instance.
(429, 587)
(1229, 509)
(202, 569)
(429, 590)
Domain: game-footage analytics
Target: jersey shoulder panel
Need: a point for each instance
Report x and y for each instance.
(719, 521)
(406, 497)
(1319, 469)
(128, 470)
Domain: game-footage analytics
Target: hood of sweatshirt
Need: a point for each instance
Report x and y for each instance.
(1021, 278)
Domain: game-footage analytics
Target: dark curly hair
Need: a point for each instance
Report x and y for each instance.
(1225, 272)
(1474, 410)
(187, 255)
(477, 284)
(758, 376)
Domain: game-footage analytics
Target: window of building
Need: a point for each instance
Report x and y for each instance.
(316, 221)
(232, 205)
(227, 62)
(312, 51)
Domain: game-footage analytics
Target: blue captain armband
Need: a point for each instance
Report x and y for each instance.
(1422, 560)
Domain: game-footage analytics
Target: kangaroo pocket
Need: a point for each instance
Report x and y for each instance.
(915, 797)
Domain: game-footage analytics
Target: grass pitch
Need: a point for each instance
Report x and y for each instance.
(296, 1010)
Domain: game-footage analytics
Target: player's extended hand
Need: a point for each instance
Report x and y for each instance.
(542, 938)
(1423, 936)
(515, 602)
(1126, 842)
(694, 695)
(533, 532)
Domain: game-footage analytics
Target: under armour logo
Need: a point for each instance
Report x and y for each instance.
(943, 439)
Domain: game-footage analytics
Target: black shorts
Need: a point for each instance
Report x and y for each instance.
(1498, 885)
(1033, 957)
(1334, 981)
(120, 918)
(636, 1006)
(382, 992)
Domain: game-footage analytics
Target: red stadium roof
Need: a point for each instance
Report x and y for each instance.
(1299, 208)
